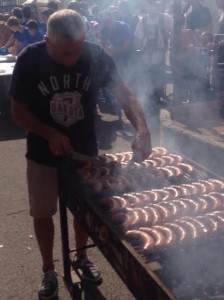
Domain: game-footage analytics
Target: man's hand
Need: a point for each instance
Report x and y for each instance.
(141, 146)
(58, 143)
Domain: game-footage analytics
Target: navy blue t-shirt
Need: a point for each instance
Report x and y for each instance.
(62, 97)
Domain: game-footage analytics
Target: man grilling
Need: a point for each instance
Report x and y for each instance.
(54, 89)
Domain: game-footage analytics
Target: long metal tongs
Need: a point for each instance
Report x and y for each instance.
(82, 157)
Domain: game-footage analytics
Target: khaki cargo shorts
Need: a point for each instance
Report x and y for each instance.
(42, 189)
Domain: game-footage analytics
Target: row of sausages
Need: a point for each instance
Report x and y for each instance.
(157, 214)
(139, 199)
(179, 232)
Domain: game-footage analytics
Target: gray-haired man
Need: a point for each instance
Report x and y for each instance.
(54, 90)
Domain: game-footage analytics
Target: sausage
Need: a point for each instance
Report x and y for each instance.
(204, 207)
(208, 222)
(168, 233)
(173, 209)
(176, 158)
(192, 204)
(153, 195)
(150, 163)
(190, 189)
(186, 168)
(218, 184)
(217, 217)
(159, 161)
(209, 186)
(140, 238)
(213, 201)
(158, 151)
(112, 204)
(191, 228)
(200, 187)
(173, 192)
(124, 221)
(158, 237)
(123, 156)
(201, 228)
(154, 216)
(171, 171)
(163, 211)
(110, 157)
(182, 236)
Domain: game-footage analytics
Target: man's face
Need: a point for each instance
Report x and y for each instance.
(14, 28)
(32, 31)
(65, 52)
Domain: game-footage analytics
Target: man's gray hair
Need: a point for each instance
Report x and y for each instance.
(65, 24)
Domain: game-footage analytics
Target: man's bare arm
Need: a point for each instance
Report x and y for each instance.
(132, 109)
(59, 143)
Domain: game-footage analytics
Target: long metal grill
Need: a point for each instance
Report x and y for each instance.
(174, 226)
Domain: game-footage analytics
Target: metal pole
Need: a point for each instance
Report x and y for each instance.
(178, 22)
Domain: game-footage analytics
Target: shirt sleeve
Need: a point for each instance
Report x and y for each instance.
(110, 74)
(21, 85)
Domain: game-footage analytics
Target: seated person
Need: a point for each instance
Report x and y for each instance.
(20, 37)
(5, 33)
(35, 34)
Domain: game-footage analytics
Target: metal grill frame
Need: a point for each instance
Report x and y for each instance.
(128, 264)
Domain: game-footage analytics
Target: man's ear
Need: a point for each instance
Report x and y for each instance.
(48, 42)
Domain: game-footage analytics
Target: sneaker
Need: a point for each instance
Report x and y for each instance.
(90, 272)
(48, 288)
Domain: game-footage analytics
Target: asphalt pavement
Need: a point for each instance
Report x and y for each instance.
(20, 263)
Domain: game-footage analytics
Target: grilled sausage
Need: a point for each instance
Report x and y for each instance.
(182, 235)
(158, 237)
(140, 238)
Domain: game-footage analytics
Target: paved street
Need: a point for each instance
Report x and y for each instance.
(20, 264)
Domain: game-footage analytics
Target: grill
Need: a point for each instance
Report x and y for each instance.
(191, 271)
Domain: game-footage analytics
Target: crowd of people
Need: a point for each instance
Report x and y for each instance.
(137, 37)
(119, 49)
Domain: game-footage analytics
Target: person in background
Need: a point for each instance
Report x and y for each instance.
(19, 38)
(28, 14)
(198, 17)
(116, 40)
(5, 34)
(45, 14)
(18, 13)
(64, 70)
(52, 5)
(152, 34)
(75, 5)
(35, 34)
(126, 15)
(218, 47)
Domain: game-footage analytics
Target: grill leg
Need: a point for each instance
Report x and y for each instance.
(65, 244)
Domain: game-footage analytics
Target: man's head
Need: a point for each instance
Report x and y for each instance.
(13, 23)
(65, 36)
(32, 26)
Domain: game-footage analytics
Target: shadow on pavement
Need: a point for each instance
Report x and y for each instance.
(9, 130)
(110, 129)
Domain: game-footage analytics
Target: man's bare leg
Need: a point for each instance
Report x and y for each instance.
(44, 230)
(81, 239)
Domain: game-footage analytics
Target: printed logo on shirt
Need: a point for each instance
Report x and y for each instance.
(66, 109)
